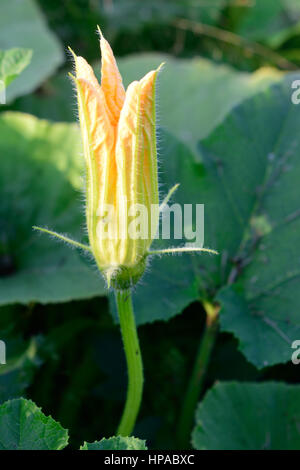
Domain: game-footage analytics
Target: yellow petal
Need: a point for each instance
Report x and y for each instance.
(136, 154)
(147, 111)
(127, 160)
(85, 71)
(111, 80)
(98, 142)
(136, 142)
(127, 146)
(148, 150)
(96, 126)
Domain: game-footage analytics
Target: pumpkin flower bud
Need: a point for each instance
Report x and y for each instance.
(119, 142)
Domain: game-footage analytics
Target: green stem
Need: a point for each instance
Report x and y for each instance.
(195, 385)
(134, 362)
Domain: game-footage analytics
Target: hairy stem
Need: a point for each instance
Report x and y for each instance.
(195, 385)
(134, 362)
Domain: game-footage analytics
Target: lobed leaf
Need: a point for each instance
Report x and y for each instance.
(116, 443)
(248, 184)
(248, 416)
(23, 426)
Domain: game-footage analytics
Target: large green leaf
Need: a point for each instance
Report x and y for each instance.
(116, 443)
(245, 416)
(22, 356)
(198, 88)
(40, 174)
(133, 15)
(12, 63)
(270, 21)
(22, 361)
(23, 426)
(23, 25)
(249, 184)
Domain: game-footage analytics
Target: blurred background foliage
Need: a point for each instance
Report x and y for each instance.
(64, 350)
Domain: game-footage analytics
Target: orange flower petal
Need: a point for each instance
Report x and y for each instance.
(136, 142)
(127, 146)
(147, 111)
(111, 80)
(136, 155)
(98, 140)
(85, 71)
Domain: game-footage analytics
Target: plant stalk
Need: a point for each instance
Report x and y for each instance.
(195, 385)
(134, 362)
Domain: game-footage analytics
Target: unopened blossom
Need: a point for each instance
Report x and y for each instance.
(119, 141)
